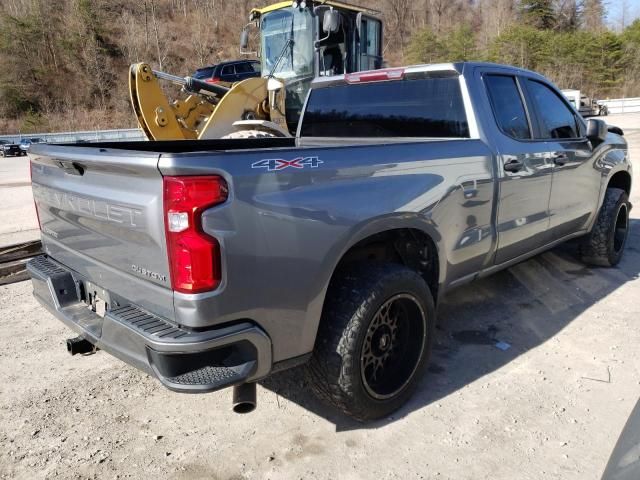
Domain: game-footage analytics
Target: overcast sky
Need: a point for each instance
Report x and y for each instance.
(615, 8)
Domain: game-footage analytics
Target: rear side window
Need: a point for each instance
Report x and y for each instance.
(558, 121)
(410, 108)
(508, 107)
(243, 68)
(228, 70)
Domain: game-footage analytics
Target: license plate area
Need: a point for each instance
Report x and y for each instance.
(97, 299)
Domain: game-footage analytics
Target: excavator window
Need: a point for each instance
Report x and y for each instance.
(287, 44)
(336, 51)
(370, 44)
(356, 46)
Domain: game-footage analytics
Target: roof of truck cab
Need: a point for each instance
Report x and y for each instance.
(331, 3)
(454, 68)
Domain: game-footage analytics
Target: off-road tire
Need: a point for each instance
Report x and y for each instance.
(243, 134)
(605, 244)
(354, 298)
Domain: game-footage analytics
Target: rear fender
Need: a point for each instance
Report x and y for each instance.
(358, 233)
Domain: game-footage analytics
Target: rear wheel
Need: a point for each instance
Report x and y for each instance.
(374, 340)
(605, 244)
(250, 134)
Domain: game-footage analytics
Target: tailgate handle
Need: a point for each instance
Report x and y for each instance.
(72, 168)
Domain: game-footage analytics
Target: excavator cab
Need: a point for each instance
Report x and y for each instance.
(295, 42)
(302, 40)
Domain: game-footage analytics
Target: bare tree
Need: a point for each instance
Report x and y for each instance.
(593, 17)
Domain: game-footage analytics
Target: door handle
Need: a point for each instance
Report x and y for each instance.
(560, 159)
(513, 166)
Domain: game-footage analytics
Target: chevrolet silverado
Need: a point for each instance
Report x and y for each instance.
(214, 263)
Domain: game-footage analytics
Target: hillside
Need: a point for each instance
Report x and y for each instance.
(64, 63)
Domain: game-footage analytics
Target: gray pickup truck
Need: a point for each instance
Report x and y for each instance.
(211, 264)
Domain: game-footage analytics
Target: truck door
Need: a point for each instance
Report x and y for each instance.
(576, 186)
(525, 171)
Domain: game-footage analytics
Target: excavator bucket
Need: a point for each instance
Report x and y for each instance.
(155, 115)
(246, 98)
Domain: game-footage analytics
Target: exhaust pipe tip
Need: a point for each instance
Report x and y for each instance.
(79, 345)
(244, 398)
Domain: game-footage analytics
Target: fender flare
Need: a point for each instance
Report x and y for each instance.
(370, 227)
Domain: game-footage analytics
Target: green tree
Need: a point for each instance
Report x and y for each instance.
(460, 44)
(523, 46)
(425, 47)
(608, 62)
(538, 13)
(631, 58)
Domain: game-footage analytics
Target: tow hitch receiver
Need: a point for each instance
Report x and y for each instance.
(80, 345)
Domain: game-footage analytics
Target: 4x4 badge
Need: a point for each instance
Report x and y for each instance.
(276, 164)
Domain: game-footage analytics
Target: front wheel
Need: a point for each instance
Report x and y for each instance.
(374, 340)
(605, 244)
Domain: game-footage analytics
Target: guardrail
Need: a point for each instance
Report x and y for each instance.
(131, 134)
(622, 105)
(617, 105)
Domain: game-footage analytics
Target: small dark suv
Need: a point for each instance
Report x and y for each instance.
(227, 73)
(8, 149)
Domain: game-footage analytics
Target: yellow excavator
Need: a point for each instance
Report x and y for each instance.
(296, 42)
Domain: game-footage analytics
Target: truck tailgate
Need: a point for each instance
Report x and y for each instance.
(101, 214)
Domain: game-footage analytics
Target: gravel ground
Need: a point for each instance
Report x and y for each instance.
(549, 407)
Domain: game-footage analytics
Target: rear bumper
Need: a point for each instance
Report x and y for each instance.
(183, 360)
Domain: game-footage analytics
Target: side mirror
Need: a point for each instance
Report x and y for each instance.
(244, 39)
(331, 21)
(596, 130)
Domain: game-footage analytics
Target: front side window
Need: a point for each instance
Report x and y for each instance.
(508, 107)
(424, 108)
(558, 121)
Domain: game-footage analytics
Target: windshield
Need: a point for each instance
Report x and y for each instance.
(278, 28)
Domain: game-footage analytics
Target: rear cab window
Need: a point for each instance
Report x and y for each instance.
(431, 107)
(508, 106)
(204, 73)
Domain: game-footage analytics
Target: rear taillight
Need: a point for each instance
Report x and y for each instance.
(194, 256)
(375, 75)
(212, 80)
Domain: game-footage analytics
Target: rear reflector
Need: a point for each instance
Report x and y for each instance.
(375, 75)
(194, 256)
